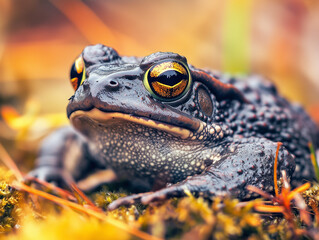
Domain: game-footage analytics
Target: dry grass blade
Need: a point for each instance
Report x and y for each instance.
(85, 198)
(259, 191)
(89, 211)
(301, 205)
(299, 189)
(8, 161)
(314, 160)
(269, 208)
(285, 190)
(62, 192)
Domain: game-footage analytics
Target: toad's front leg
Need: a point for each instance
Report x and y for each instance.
(63, 158)
(246, 162)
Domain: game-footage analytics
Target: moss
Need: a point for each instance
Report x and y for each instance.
(10, 202)
(186, 218)
(104, 197)
(311, 196)
(189, 217)
(196, 218)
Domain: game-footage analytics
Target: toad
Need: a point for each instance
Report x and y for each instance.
(171, 127)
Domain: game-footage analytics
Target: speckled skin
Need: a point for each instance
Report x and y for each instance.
(229, 132)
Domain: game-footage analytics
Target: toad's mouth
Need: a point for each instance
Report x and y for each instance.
(102, 117)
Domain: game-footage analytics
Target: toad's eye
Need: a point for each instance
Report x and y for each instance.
(77, 73)
(168, 80)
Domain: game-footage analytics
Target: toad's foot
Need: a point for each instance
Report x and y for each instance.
(148, 197)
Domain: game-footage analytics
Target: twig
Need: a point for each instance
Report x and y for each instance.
(8, 161)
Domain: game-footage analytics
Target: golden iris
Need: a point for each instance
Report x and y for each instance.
(77, 73)
(168, 80)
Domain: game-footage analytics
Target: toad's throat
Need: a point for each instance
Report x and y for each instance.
(105, 117)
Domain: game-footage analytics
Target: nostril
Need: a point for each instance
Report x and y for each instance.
(112, 85)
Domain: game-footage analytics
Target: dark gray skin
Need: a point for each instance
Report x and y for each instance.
(215, 140)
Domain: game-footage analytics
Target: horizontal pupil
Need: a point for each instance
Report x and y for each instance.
(169, 78)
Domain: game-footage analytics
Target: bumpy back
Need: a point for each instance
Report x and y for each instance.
(274, 118)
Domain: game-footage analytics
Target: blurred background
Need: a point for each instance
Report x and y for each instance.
(39, 40)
